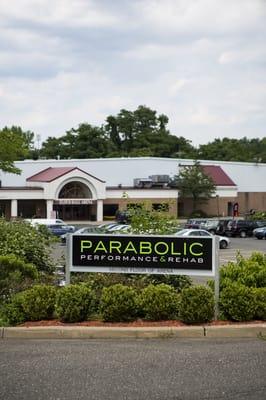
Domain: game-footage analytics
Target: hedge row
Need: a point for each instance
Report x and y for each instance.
(118, 302)
(242, 298)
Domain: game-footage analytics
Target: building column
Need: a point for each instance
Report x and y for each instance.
(99, 210)
(49, 208)
(14, 208)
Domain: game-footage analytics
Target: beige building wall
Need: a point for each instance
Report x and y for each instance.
(252, 200)
(124, 203)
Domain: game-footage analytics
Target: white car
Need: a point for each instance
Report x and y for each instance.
(223, 241)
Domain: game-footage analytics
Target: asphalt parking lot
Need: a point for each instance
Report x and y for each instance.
(245, 247)
(183, 369)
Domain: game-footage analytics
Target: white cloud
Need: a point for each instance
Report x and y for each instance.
(202, 63)
(72, 13)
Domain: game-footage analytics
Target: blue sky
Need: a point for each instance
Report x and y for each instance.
(200, 62)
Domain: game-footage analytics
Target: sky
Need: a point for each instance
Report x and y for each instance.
(200, 62)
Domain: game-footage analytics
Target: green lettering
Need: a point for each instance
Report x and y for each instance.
(130, 247)
(191, 249)
(145, 248)
(173, 250)
(100, 247)
(115, 245)
(161, 253)
(85, 244)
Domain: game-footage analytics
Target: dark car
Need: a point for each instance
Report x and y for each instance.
(59, 230)
(123, 217)
(222, 225)
(194, 223)
(260, 233)
(242, 228)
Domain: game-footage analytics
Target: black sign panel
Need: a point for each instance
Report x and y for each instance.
(134, 251)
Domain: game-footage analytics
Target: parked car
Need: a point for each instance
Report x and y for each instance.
(119, 228)
(81, 231)
(243, 228)
(224, 242)
(59, 230)
(210, 225)
(260, 233)
(222, 225)
(123, 217)
(194, 223)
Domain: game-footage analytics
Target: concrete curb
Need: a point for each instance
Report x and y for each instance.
(82, 332)
(245, 331)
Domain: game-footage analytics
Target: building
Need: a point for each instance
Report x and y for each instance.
(94, 189)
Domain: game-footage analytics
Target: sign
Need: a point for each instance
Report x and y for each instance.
(142, 254)
(73, 201)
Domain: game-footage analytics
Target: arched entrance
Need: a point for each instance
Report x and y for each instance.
(75, 202)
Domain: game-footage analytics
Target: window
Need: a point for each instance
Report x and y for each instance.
(160, 207)
(109, 210)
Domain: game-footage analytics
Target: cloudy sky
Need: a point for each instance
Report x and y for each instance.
(200, 62)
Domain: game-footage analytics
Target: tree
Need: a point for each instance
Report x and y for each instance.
(193, 182)
(14, 145)
(86, 141)
(143, 133)
(247, 150)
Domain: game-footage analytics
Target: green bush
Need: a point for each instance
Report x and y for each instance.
(179, 282)
(118, 303)
(15, 275)
(237, 302)
(27, 243)
(13, 311)
(75, 303)
(159, 302)
(39, 302)
(196, 304)
(249, 272)
(260, 303)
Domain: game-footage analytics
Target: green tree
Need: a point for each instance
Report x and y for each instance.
(248, 150)
(15, 145)
(86, 141)
(193, 182)
(143, 133)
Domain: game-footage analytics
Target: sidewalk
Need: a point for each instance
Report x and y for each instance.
(83, 332)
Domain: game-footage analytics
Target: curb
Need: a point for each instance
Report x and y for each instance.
(245, 331)
(81, 332)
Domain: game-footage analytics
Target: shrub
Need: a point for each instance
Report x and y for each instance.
(74, 303)
(179, 282)
(159, 302)
(13, 311)
(237, 302)
(249, 272)
(15, 275)
(39, 302)
(196, 304)
(26, 242)
(118, 303)
(146, 220)
(260, 302)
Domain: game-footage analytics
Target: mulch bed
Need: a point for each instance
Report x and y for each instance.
(133, 324)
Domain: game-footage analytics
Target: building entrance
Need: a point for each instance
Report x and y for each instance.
(75, 203)
(81, 212)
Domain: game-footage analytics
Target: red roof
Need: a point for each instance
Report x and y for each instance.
(50, 174)
(219, 177)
